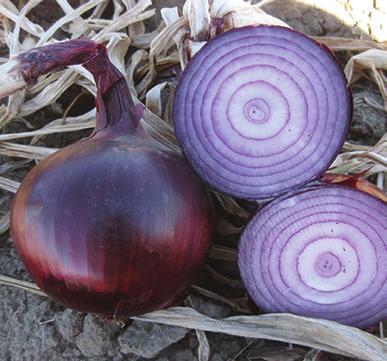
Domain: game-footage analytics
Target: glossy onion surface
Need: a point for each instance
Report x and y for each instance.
(261, 110)
(320, 252)
(114, 227)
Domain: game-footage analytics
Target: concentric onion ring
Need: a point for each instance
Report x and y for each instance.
(261, 110)
(320, 252)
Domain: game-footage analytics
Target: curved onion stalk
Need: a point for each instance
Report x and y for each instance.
(319, 252)
(114, 224)
(261, 110)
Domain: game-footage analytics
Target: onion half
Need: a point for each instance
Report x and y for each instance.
(319, 252)
(261, 110)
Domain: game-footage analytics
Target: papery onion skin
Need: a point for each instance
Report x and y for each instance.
(354, 181)
(319, 252)
(114, 224)
(261, 110)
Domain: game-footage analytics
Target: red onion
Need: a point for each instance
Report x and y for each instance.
(319, 252)
(114, 224)
(261, 110)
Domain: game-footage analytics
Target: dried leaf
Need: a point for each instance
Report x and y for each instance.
(223, 279)
(143, 41)
(25, 151)
(237, 304)
(370, 159)
(75, 14)
(9, 185)
(136, 28)
(277, 353)
(71, 125)
(355, 182)
(230, 205)
(14, 47)
(160, 130)
(224, 227)
(139, 57)
(4, 223)
(159, 46)
(372, 61)
(153, 99)
(242, 351)
(27, 286)
(9, 82)
(12, 165)
(51, 92)
(198, 15)
(171, 16)
(349, 44)
(231, 13)
(130, 17)
(10, 11)
(321, 334)
(239, 13)
(223, 253)
(312, 355)
(2, 32)
(204, 346)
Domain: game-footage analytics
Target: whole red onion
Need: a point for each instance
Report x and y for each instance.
(114, 224)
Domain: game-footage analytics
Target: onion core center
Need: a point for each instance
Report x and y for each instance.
(327, 265)
(257, 111)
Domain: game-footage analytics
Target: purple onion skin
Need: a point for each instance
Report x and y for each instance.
(260, 111)
(114, 224)
(319, 252)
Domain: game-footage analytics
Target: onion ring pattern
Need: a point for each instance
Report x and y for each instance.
(261, 110)
(319, 252)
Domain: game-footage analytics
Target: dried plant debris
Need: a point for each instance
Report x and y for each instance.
(151, 56)
(372, 62)
(321, 334)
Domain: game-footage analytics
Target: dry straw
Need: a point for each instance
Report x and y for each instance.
(172, 44)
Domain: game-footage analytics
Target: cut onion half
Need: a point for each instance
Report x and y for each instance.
(261, 110)
(319, 252)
